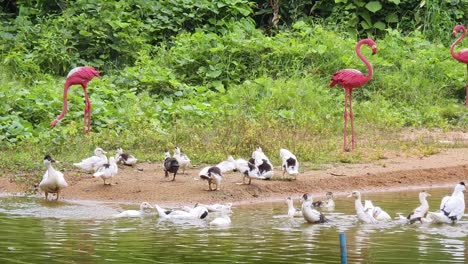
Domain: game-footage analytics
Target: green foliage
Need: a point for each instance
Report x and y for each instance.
(106, 34)
(212, 82)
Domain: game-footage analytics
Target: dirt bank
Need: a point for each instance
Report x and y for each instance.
(146, 182)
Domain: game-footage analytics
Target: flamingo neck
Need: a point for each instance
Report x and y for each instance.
(452, 48)
(370, 71)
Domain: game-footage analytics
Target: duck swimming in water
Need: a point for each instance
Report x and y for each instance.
(452, 207)
(292, 212)
(311, 215)
(52, 180)
(328, 203)
(378, 213)
(198, 212)
(135, 213)
(421, 211)
(362, 215)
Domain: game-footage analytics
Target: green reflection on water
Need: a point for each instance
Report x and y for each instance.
(33, 231)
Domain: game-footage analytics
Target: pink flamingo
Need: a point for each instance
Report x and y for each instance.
(81, 76)
(462, 55)
(350, 79)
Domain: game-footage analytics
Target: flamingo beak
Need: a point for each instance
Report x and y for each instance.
(454, 34)
(374, 49)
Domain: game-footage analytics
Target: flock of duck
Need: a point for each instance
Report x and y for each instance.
(258, 167)
(451, 209)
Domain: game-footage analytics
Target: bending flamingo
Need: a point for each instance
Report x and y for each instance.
(81, 76)
(350, 79)
(462, 55)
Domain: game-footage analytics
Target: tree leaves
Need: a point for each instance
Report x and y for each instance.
(374, 6)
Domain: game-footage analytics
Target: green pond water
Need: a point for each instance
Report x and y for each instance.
(35, 231)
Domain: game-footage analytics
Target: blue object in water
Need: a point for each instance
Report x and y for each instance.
(344, 255)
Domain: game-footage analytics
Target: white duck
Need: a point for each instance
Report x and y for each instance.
(198, 212)
(107, 171)
(52, 180)
(93, 163)
(361, 214)
(223, 220)
(213, 175)
(227, 165)
(263, 164)
(125, 158)
(421, 211)
(452, 207)
(328, 203)
(184, 161)
(248, 170)
(311, 215)
(290, 163)
(292, 212)
(135, 213)
(378, 213)
(216, 207)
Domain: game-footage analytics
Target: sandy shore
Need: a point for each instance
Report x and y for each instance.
(146, 182)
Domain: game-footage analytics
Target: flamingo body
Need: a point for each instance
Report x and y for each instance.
(78, 76)
(462, 55)
(350, 79)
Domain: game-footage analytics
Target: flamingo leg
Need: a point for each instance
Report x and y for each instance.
(65, 104)
(351, 116)
(87, 111)
(345, 115)
(466, 88)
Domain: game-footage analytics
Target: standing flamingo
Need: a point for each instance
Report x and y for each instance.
(462, 55)
(350, 79)
(81, 76)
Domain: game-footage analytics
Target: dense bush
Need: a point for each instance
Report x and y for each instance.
(212, 81)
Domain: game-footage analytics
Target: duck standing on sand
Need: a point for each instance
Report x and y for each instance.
(93, 163)
(213, 175)
(248, 170)
(107, 171)
(290, 163)
(125, 158)
(170, 165)
(227, 165)
(53, 180)
(263, 164)
(452, 207)
(184, 161)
